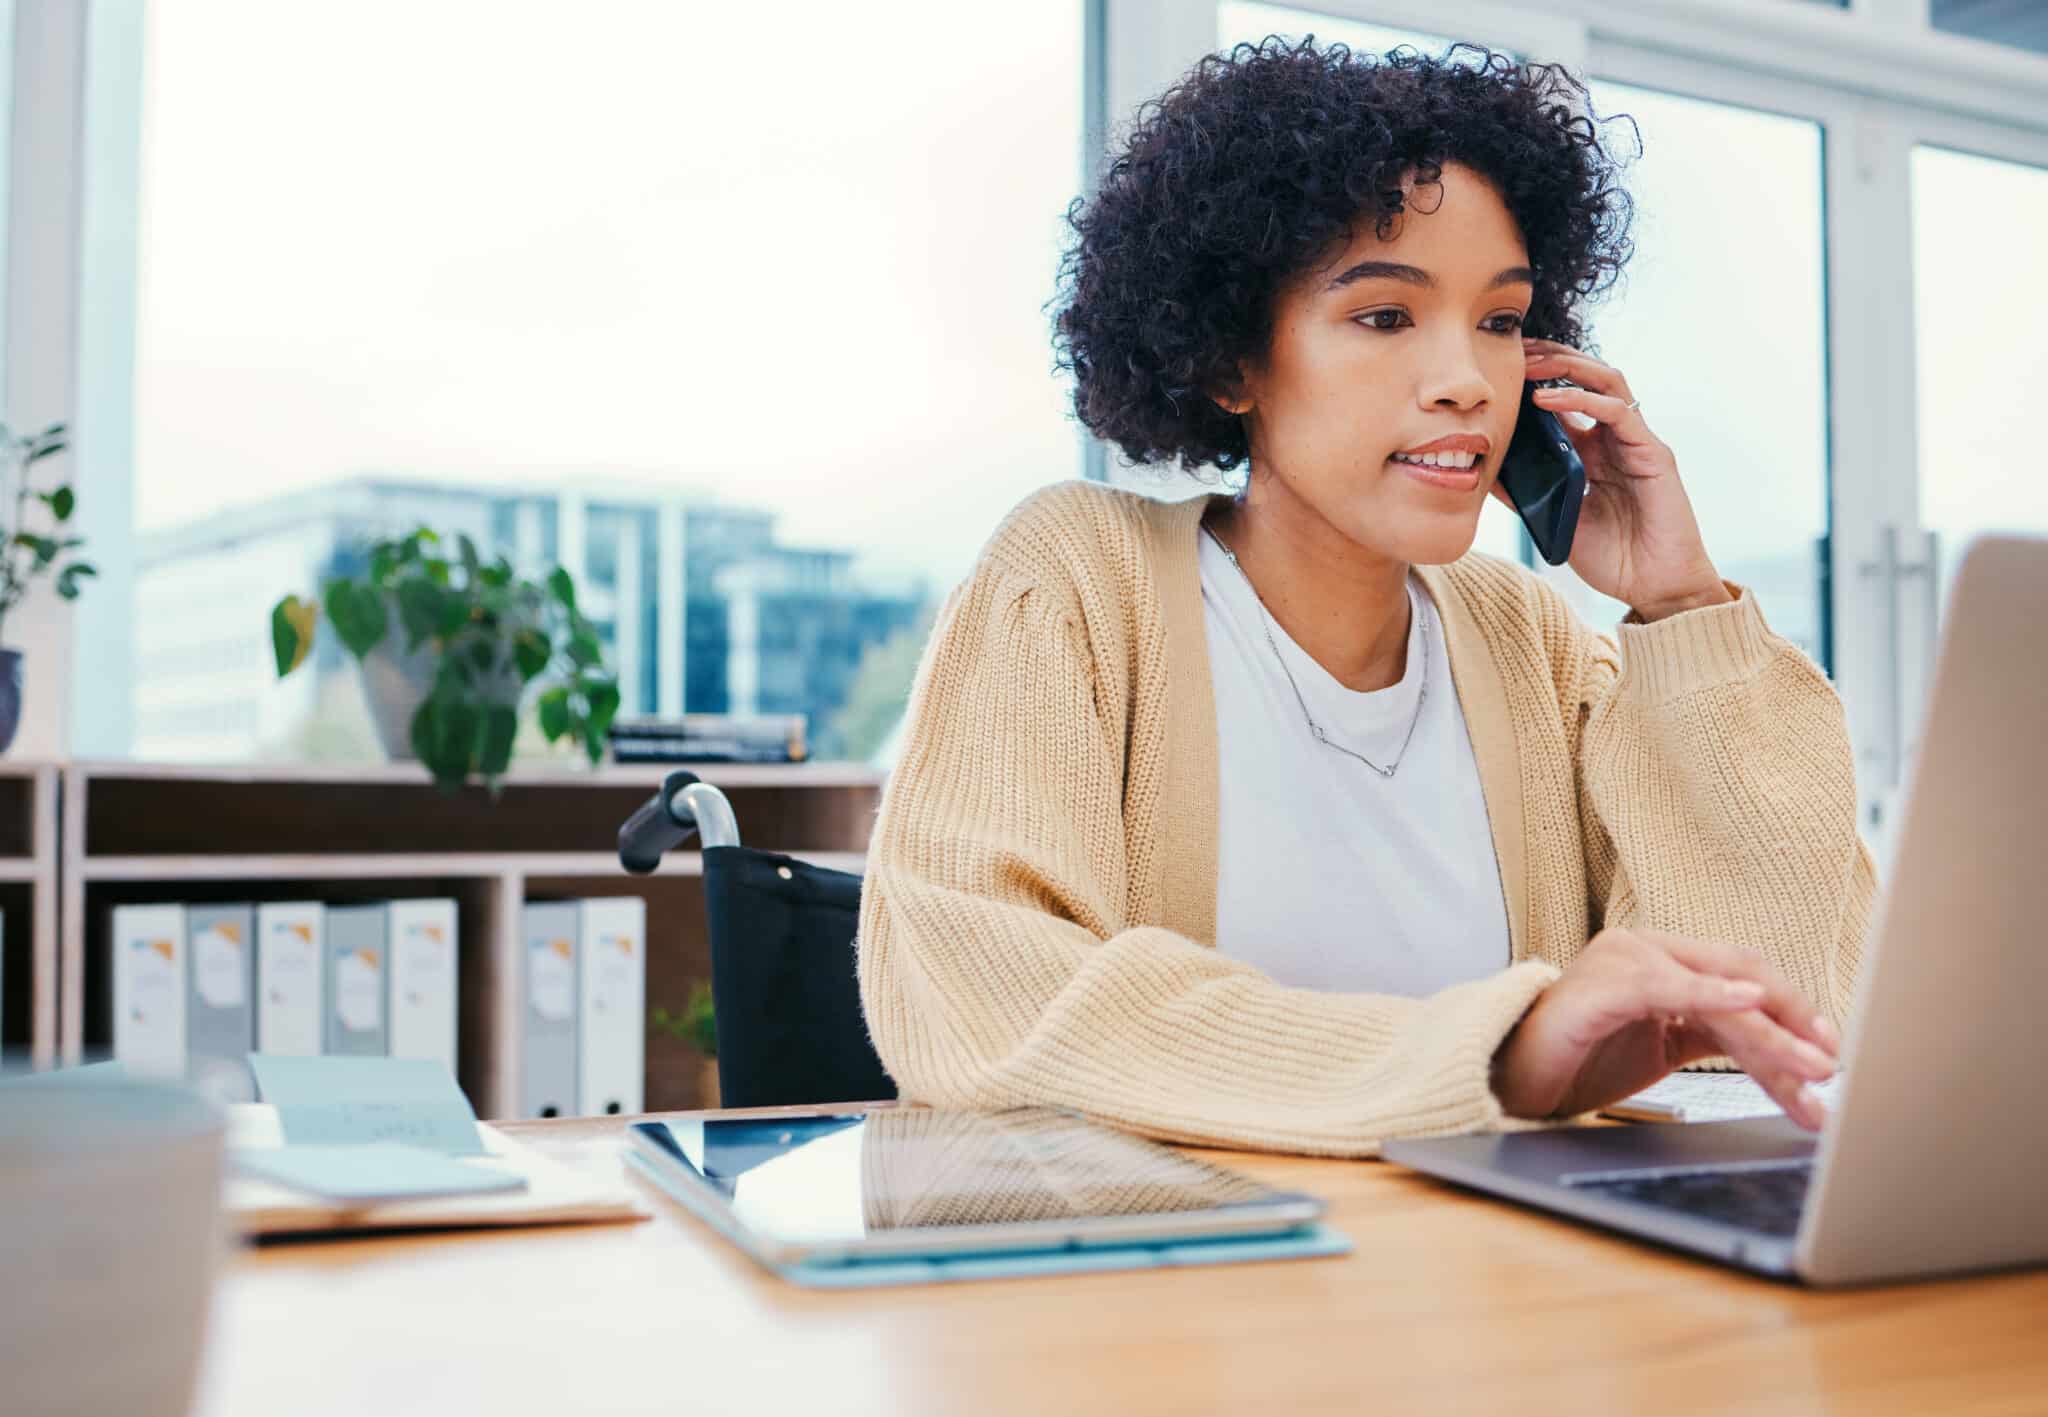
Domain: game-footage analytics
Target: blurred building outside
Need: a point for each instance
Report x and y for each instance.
(700, 609)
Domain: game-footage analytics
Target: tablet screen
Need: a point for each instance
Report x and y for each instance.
(845, 1177)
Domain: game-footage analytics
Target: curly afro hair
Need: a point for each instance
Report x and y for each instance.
(1257, 167)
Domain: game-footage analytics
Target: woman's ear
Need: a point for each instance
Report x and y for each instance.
(1233, 397)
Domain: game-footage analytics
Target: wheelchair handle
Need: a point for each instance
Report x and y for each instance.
(682, 808)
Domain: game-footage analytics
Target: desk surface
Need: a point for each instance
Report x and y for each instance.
(1448, 1301)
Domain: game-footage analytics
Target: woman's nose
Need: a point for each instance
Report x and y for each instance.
(1455, 379)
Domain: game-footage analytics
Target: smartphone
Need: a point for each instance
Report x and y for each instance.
(1544, 478)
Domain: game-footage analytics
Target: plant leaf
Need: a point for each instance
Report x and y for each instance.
(584, 650)
(419, 607)
(604, 707)
(425, 725)
(457, 612)
(444, 736)
(67, 579)
(44, 547)
(357, 613)
(530, 648)
(563, 587)
(61, 503)
(501, 727)
(554, 712)
(291, 632)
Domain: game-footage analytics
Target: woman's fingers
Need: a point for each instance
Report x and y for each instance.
(1557, 362)
(1780, 1062)
(1735, 1002)
(1628, 424)
(1782, 1001)
(1760, 1043)
(1651, 984)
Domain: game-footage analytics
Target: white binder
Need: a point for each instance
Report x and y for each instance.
(612, 960)
(357, 979)
(290, 1002)
(547, 1063)
(148, 960)
(220, 1005)
(423, 958)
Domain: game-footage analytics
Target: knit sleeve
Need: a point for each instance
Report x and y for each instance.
(998, 967)
(1717, 789)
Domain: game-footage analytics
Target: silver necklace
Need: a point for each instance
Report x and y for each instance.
(1265, 617)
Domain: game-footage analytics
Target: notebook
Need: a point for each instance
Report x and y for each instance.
(1707, 1097)
(554, 1193)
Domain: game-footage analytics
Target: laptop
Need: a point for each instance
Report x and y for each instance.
(1934, 1158)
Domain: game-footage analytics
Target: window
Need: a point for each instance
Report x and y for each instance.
(1242, 20)
(691, 304)
(1980, 296)
(2022, 23)
(1719, 327)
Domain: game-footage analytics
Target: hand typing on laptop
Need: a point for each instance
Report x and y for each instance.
(1637, 1004)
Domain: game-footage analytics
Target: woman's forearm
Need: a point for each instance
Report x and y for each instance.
(1715, 764)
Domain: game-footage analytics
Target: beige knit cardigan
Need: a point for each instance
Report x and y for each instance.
(1038, 921)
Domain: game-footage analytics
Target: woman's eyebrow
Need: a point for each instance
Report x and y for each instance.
(1415, 275)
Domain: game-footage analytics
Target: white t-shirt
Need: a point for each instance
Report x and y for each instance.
(1331, 876)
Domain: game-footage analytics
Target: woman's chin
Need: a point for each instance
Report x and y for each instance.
(1441, 542)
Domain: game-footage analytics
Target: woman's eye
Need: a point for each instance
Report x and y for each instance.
(1394, 319)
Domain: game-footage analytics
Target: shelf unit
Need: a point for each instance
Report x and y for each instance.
(28, 895)
(138, 832)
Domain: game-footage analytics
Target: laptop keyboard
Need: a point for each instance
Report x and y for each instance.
(1766, 1199)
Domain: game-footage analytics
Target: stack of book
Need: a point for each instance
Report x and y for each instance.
(710, 738)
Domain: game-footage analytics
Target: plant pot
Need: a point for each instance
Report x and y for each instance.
(10, 696)
(395, 684)
(707, 1083)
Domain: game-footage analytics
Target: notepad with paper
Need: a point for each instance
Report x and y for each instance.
(1707, 1097)
(343, 1144)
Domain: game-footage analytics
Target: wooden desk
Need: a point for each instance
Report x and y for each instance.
(1448, 1302)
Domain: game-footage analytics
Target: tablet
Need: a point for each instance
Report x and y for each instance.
(842, 1187)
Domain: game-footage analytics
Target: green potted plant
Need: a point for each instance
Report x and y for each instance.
(449, 648)
(26, 554)
(697, 1025)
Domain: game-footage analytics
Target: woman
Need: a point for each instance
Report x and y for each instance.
(1278, 820)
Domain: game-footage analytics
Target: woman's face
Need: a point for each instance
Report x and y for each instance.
(1387, 347)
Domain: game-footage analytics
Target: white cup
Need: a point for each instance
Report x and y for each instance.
(110, 1235)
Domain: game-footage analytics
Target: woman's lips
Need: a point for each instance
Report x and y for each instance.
(1450, 479)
